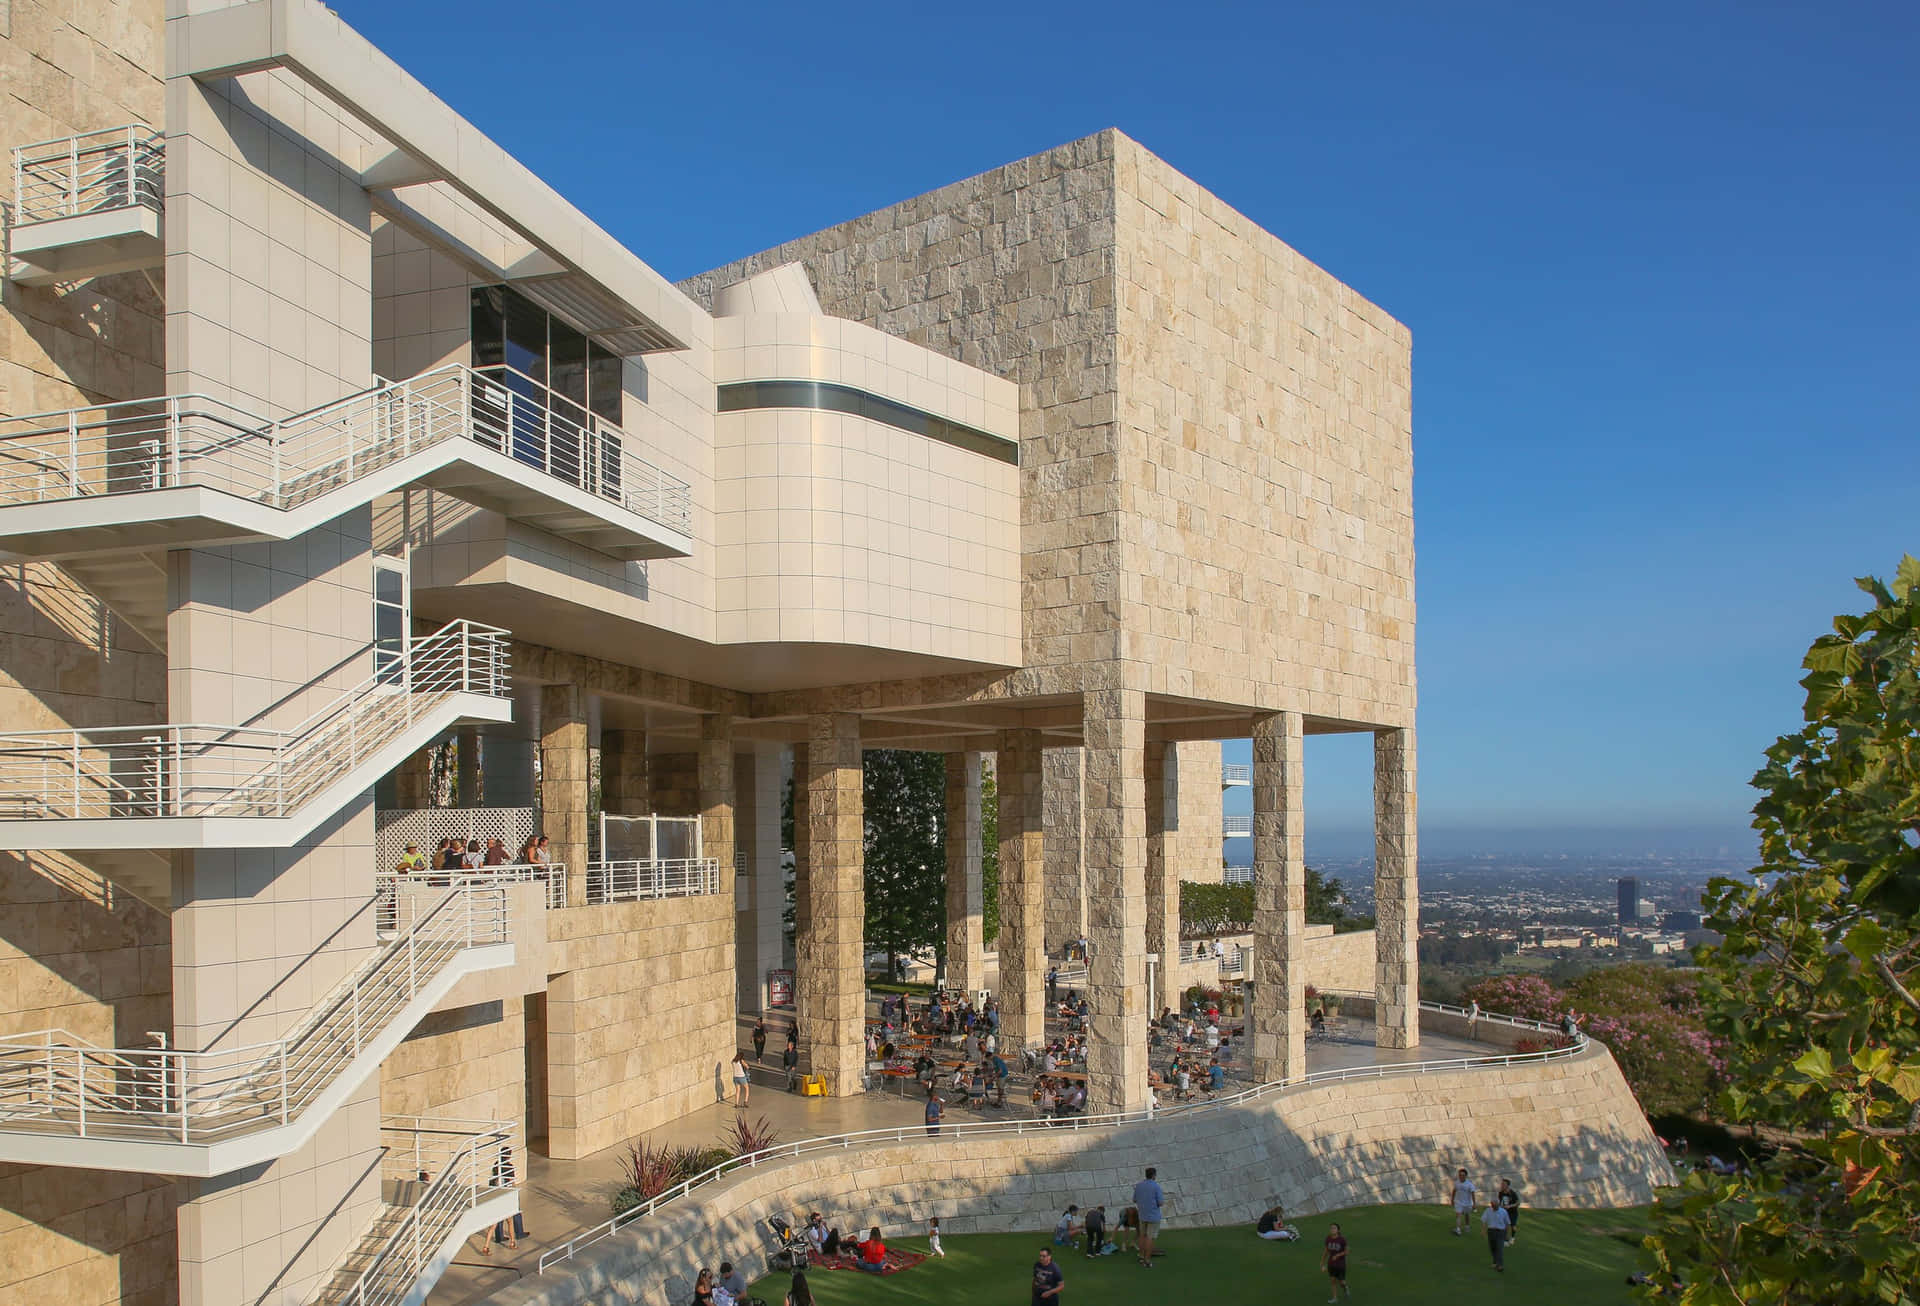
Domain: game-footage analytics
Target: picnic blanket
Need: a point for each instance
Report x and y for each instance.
(897, 1261)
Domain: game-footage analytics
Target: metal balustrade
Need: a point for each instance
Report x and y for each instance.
(190, 770)
(630, 881)
(551, 874)
(1235, 824)
(94, 172)
(193, 440)
(440, 1171)
(53, 1082)
(1236, 773)
(915, 1135)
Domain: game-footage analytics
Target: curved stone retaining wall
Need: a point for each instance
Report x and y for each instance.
(1567, 1132)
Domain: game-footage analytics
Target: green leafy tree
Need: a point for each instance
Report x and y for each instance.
(1814, 991)
(906, 862)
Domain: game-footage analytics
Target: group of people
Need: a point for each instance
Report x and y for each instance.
(454, 855)
(1500, 1218)
(727, 1288)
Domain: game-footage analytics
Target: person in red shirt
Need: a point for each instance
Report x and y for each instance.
(873, 1253)
(1334, 1261)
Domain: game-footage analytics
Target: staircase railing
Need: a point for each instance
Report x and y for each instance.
(193, 440)
(241, 771)
(51, 1081)
(440, 1170)
(551, 874)
(121, 167)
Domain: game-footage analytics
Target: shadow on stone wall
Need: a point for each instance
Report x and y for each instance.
(1567, 1132)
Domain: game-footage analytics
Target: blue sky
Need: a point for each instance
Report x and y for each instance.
(1658, 261)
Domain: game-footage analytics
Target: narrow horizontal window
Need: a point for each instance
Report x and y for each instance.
(827, 397)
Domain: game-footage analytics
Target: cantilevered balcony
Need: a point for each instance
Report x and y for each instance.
(1235, 775)
(86, 206)
(67, 1102)
(222, 786)
(186, 470)
(1237, 825)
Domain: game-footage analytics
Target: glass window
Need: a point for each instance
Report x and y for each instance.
(389, 620)
(604, 381)
(489, 325)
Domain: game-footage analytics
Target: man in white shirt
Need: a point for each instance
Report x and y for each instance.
(1463, 1203)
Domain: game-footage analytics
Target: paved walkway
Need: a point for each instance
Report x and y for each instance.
(564, 1198)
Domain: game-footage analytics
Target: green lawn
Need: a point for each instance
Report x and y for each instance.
(1398, 1254)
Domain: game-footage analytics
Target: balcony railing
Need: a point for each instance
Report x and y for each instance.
(688, 877)
(1236, 773)
(228, 771)
(122, 167)
(551, 874)
(194, 440)
(54, 1082)
(1235, 824)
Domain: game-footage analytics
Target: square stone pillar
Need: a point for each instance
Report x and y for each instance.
(1116, 849)
(1162, 788)
(716, 812)
(837, 910)
(1396, 891)
(759, 936)
(1066, 868)
(413, 786)
(1023, 962)
(1278, 1013)
(623, 773)
(966, 902)
(563, 782)
(805, 969)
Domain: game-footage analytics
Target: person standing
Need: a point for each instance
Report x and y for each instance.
(1333, 1259)
(935, 1110)
(790, 1062)
(1510, 1203)
(1047, 1280)
(1495, 1219)
(760, 1039)
(1053, 985)
(933, 1238)
(1463, 1202)
(740, 1079)
(1148, 1199)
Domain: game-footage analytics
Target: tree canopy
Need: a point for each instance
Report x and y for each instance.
(1814, 992)
(906, 860)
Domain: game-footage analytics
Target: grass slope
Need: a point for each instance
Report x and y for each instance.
(1403, 1255)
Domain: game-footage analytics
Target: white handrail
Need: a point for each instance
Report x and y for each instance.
(461, 1162)
(54, 1082)
(193, 770)
(669, 877)
(1236, 773)
(917, 1135)
(182, 440)
(1236, 823)
(93, 172)
(551, 874)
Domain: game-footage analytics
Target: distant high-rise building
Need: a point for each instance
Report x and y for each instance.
(1681, 921)
(1627, 900)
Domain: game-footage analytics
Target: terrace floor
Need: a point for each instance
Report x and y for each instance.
(561, 1199)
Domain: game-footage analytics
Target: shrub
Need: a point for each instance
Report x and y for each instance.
(746, 1137)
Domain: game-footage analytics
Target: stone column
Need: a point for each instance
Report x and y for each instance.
(563, 782)
(805, 969)
(466, 751)
(1066, 867)
(1023, 963)
(756, 832)
(1278, 1012)
(1396, 891)
(836, 893)
(413, 783)
(623, 773)
(1116, 842)
(716, 813)
(966, 920)
(1161, 785)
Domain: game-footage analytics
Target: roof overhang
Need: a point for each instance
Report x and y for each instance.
(435, 160)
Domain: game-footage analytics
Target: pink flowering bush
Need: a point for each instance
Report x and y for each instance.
(1649, 1017)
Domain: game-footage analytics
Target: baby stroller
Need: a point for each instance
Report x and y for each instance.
(787, 1246)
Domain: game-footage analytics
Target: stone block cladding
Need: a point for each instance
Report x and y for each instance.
(1568, 1132)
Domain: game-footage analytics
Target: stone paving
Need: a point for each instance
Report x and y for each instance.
(564, 1198)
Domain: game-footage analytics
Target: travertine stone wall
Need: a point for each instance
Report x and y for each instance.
(1023, 987)
(674, 779)
(639, 1017)
(966, 965)
(1066, 870)
(1396, 889)
(1279, 962)
(623, 773)
(564, 772)
(1116, 838)
(468, 1063)
(835, 1004)
(1162, 784)
(1340, 961)
(1196, 846)
(1568, 1132)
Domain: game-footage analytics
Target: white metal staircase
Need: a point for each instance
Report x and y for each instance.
(441, 1181)
(88, 205)
(187, 470)
(67, 1102)
(218, 786)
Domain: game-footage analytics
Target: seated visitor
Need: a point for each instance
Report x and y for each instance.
(823, 1241)
(1065, 1227)
(873, 1252)
(1273, 1227)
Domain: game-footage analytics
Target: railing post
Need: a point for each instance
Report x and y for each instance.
(173, 436)
(73, 175)
(76, 775)
(130, 165)
(73, 451)
(80, 1076)
(286, 1089)
(356, 1017)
